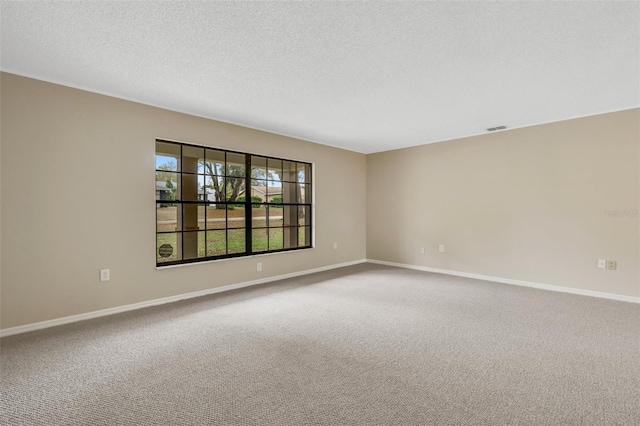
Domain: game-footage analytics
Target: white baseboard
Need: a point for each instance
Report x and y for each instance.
(550, 287)
(110, 311)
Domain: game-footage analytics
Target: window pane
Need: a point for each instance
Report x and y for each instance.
(207, 192)
(275, 216)
(258, 216)
(235, 164)
(275, 239)
(168, 217)
(201, 216)
(167, 249)
(193, 244)
(274, 170)
(258, 190)
(214, 163)
(214, 188)
(304, 173)
(289, 194)
(274, 192)
(203, 191)
(167, 156)
(216, 243)
(258, 167)
(259, 240)
(192, 187)
(192, 159)
(216, 216)
(304, 236)
(290, 237)
(237, 242)
(304, 194)
(235, 188)
(289, 171)
(167, 186)
(277, 199)
(193, 217)
(290, 215)
(236, 216)
(303, 215)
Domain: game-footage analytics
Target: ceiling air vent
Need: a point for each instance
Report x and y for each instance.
(493, 129)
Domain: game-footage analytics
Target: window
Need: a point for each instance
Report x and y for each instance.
(216, 204)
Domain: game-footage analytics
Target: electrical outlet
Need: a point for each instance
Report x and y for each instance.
(612, 265)
(421, 250)
(602, 264)
(105, 275)
(441, 248)
(335, 246)
(259, 266)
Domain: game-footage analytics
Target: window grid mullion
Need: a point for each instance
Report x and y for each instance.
(248, 208)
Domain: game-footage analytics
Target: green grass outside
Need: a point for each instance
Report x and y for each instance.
(213, 243)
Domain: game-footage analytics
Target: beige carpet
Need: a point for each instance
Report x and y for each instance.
(364, 345)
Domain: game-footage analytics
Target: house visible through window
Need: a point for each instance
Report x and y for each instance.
(213, 204)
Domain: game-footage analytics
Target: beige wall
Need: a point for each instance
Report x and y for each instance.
(526, 204)
(78, 195)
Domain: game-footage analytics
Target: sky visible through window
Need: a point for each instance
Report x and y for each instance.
(170, 164)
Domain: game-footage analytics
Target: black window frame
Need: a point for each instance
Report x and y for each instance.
(248, 205)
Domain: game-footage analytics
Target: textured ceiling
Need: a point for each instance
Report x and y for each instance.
(365, 76)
